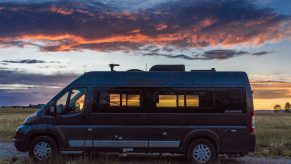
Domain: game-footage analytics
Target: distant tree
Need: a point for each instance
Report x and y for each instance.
(277, 108)
(287, 107)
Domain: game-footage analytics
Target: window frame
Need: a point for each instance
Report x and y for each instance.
(184, 92)
(69, 90)
(117, 109)
(243, 99)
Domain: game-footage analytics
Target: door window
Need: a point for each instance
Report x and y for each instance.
(77, 100)
(61, 103)
(71, 102)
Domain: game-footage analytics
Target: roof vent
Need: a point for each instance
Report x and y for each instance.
(180, 68)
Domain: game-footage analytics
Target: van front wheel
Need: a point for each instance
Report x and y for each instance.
(42, 148)
(201, 151)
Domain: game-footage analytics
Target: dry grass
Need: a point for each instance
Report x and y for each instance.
(10, 119)
(273, 131)
(105, 159)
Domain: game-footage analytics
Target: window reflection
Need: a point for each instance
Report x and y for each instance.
(114, 99)
(123, 100)
(61, 103)
(77, 100)
(133, 100)
(192, 101)
(178, 100)
(181, 100)
(63, 100)
(167, 101)
(81, 102)
(127, 100)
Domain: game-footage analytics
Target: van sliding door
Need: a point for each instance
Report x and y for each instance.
(118, 120)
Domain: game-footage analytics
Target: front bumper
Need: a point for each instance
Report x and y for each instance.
(20, 142)
(20, 145)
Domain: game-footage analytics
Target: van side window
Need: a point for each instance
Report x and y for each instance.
(192, 100)
(71, 102)
(184, 99)
(229, 100)
(178, 101)
(167, 101)
(126, 100)
(114, 100)
(117, 101)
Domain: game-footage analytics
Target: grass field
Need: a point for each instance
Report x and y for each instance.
(273, 131)
(10, 119)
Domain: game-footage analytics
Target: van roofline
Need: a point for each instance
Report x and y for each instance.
(164, 78)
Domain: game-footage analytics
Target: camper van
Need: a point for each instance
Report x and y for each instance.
(199, 113)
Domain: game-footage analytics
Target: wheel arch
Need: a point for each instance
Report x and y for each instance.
(48, 134)
(201, 134)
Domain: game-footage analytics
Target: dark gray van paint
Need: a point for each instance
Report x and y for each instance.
(147, 129)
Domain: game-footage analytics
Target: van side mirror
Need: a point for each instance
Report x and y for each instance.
(52, 109)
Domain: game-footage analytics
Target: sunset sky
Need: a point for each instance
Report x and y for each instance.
(46, 44)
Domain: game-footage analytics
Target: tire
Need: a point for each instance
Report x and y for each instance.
(207, 151)
(42, 148)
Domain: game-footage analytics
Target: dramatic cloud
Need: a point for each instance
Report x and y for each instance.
(102, 26)
(18, 88)
(271, 89)
(261, 53)
(272, 94)
(26, 61)
(220, 54)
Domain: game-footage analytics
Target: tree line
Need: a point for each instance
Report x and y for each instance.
(278, 108)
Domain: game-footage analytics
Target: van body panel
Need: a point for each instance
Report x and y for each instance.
(148, 129)
(25, 132)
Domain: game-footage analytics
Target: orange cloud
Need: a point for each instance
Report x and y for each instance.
(161, 26)
(62, 11)
(63, 27)
(269, 93)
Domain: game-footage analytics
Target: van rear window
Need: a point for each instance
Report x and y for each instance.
(230, 100)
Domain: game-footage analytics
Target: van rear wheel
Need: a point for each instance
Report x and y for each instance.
(201, 151)
(42, 148)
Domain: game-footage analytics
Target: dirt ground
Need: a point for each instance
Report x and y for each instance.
(8, 151)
